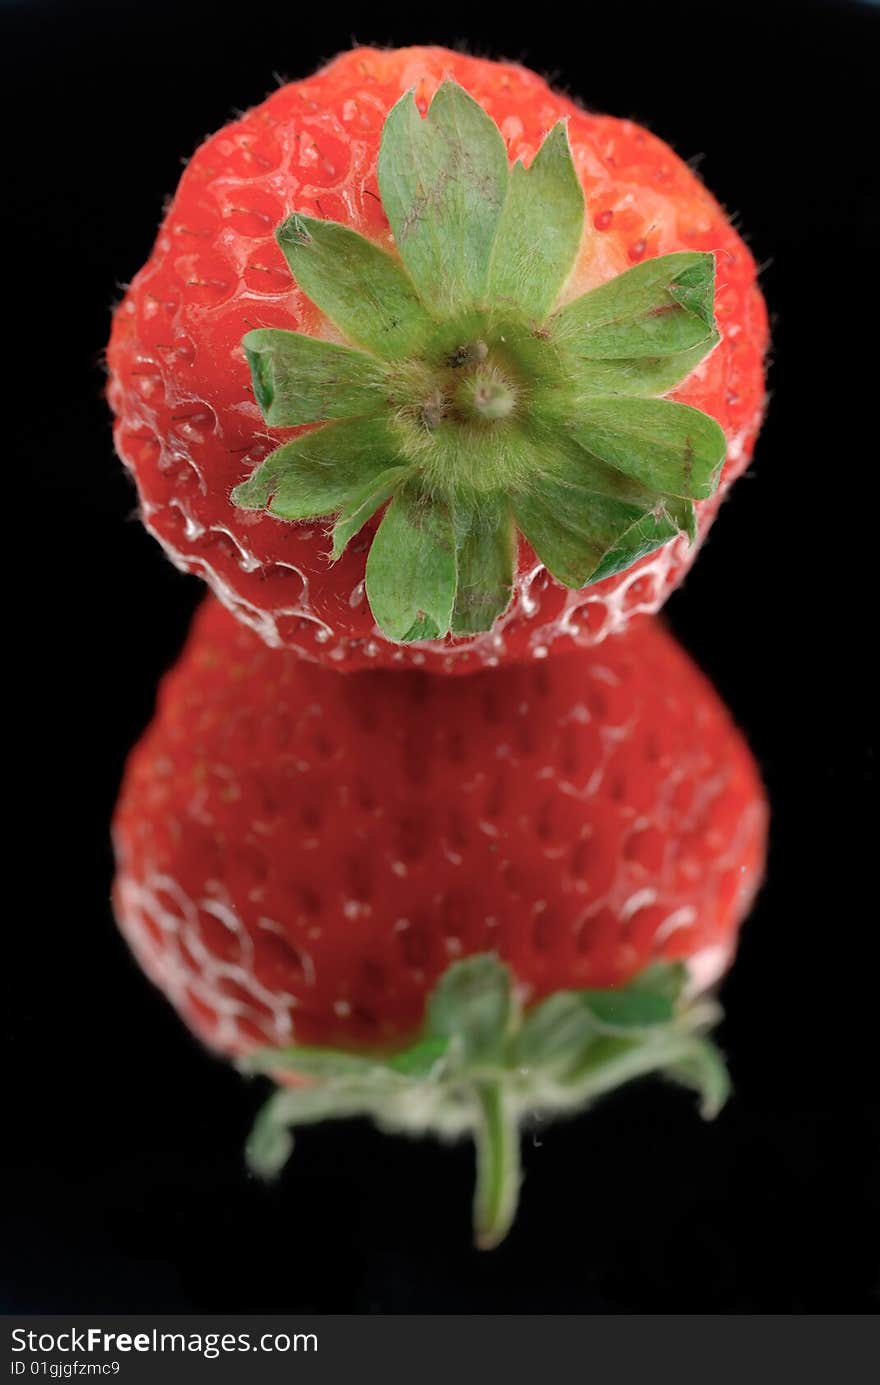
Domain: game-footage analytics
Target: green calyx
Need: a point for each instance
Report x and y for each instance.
(482, 1066)
(465, 401)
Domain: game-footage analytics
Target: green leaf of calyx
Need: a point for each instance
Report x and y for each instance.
(554, 1030)
(443, 181)
(360, 287)
(668, 979)
(701, 1067)
(328, 1064)
(412, 571)
(581, 535)
(423, 1059)
(338, 1070)
(627, 1008)
(486, 557)
(666, 446)
(299, 379)
(539, 231)
(660, 307)
(317, 473)
(362, 505)
(643, 376)
(561, 1027)
(472, 1006)
(271, 1143)
(670, 517)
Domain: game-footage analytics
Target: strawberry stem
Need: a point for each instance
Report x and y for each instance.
(486, 396)
(498, 1166)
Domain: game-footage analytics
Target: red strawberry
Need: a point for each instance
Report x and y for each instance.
(456, 358)
(392, 864)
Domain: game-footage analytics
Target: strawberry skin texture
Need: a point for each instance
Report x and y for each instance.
(304, 855)
(188, 426)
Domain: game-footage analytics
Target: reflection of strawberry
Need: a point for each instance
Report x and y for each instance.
(307, 859)
(477, 410)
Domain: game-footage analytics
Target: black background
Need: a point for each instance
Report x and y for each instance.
(126, 1189)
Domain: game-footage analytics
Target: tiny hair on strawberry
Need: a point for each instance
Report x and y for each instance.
(430, 367)
(450, 905)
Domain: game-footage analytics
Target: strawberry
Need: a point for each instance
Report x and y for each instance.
(442, 902)
(429, 366)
